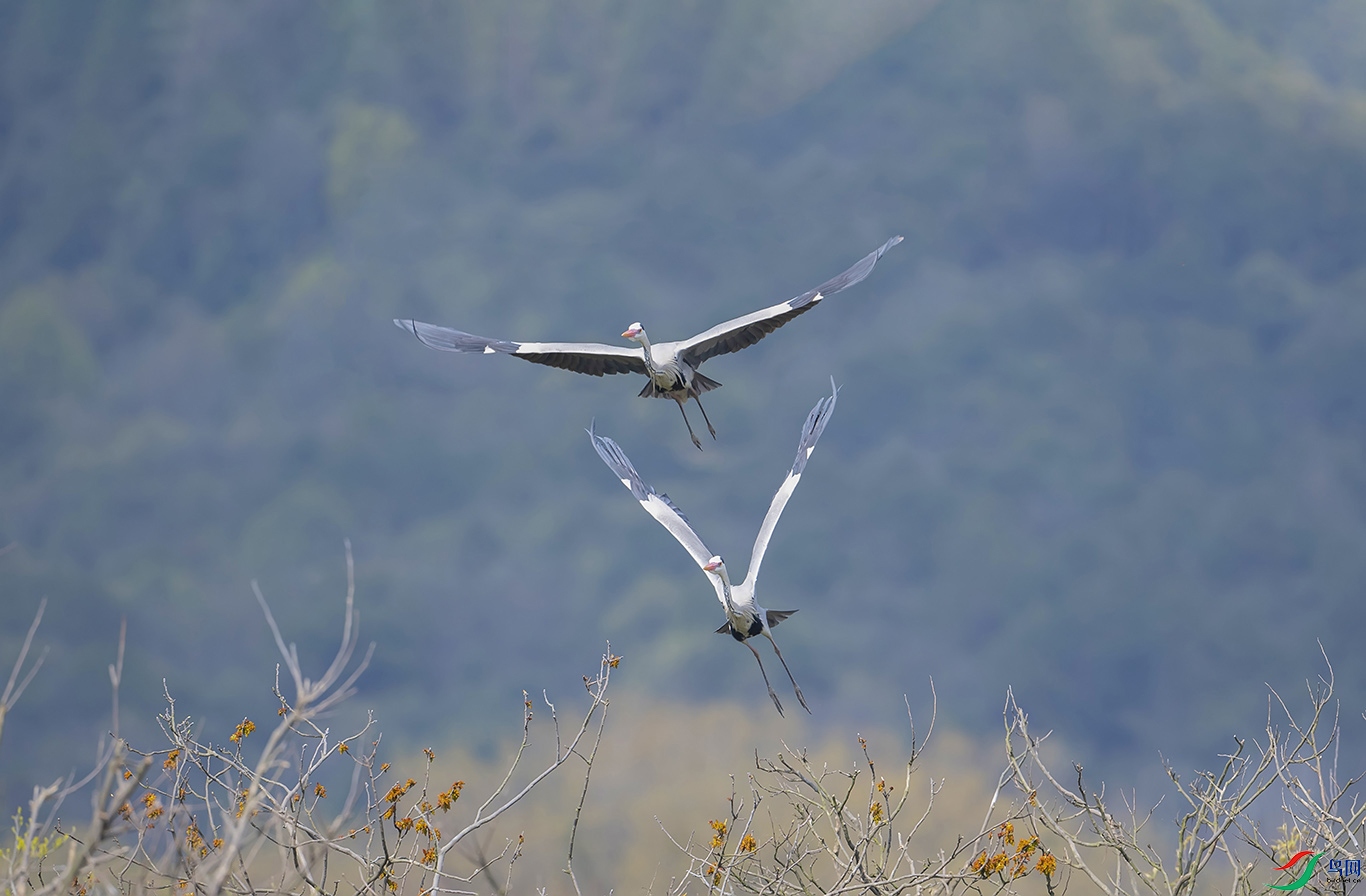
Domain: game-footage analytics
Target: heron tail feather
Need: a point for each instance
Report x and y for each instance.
(777, 616)
(702, 383)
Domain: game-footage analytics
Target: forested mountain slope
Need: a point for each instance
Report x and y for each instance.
(1101, 435)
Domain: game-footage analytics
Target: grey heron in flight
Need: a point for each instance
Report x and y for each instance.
(671, 366)
(745, 618)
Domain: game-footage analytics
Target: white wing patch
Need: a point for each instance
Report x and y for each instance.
(580, 348)
(489, 350)
(670, 518)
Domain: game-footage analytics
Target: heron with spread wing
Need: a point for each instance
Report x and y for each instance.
(744, 617)
(671, 366)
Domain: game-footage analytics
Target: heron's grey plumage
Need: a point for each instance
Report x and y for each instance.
(671, 366)
(745, 618)
(811, 433)
(592, 358)
(657, 505)
(744, 331)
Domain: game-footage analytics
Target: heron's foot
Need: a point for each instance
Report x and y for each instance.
(801, 699)
(694, 440)
(711, 429)
(778, 703)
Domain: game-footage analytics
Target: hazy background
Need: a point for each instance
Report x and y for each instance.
(1101, 433)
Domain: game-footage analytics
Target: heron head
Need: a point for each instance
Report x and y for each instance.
(634, 331)
(715, 566)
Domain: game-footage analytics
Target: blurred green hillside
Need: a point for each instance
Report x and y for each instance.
(1103, 430)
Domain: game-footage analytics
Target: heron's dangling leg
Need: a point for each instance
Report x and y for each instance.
(800, 698)
(765, 675)
(689, 425)
(712, 429)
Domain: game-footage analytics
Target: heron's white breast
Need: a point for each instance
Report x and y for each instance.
(671, 374)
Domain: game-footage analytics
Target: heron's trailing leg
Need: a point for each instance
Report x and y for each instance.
(689, 425)
(711, 429)
(771, 692)
(800, 698)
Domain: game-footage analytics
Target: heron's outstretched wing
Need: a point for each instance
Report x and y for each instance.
(811, 432)
(656, 505)
(592, 358)
(736, 334)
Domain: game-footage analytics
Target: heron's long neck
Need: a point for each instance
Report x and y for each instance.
(645, 347)
(725, 589)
